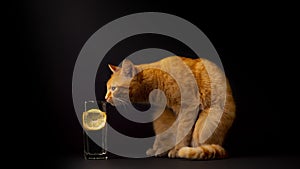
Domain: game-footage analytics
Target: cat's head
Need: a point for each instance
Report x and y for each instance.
(118, 84)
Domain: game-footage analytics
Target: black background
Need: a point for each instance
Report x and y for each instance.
(254, 41)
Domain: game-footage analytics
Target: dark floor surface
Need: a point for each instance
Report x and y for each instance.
(252, 162)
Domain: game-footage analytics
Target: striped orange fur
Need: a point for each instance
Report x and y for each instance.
(191, 147)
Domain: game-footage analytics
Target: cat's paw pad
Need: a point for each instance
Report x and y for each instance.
(173, 153)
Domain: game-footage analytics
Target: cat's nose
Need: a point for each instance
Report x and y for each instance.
(107, 99)
(106, 96)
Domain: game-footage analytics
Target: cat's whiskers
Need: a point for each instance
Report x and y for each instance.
(122, 102)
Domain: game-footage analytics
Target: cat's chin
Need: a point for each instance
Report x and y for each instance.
(112, 104)
(115, 104)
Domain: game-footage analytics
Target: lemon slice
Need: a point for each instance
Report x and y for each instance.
(93, 119)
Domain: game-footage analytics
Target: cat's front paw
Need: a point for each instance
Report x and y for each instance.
(150, 152)
(157, 153)
(173, 153)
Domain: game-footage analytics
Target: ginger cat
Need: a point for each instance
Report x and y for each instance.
(212, 85)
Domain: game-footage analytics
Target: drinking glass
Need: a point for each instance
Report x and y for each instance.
(93, 151)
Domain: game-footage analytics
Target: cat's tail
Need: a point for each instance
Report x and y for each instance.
(203, 152)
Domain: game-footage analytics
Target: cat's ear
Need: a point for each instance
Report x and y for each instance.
(128, 68)
(113, 68)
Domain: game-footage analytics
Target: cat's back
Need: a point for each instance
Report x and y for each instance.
(190, 62)
(208, 75)
(197, 66)
(174, 60)
(203, 70)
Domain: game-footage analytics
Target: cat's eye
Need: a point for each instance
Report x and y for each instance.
(113, 88)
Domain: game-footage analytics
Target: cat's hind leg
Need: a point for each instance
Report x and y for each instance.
(210, 148)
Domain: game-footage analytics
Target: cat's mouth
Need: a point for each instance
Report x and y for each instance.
(110, 102)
